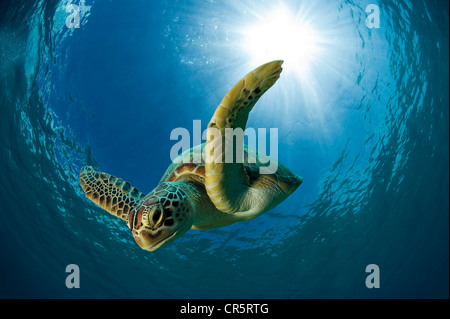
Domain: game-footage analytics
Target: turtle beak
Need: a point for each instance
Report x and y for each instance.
(151, 241)
(161, 242)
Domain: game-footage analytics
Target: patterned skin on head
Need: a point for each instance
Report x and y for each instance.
(162, 216)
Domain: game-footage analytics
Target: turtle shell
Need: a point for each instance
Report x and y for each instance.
(190, 166)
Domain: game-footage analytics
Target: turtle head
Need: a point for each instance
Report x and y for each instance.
(161, 217)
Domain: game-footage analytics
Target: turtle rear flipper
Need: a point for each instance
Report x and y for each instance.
(112, 194)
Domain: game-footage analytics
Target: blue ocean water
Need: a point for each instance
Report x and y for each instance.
(365, 123)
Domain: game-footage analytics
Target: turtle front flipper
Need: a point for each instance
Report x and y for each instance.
(227, 182)
(112, 194)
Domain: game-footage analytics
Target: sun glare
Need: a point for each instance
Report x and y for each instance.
(281, 35)
(316, 39)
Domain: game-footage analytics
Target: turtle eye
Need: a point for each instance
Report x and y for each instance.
(156, 217)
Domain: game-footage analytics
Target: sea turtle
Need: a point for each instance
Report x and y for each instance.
(204, 195)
